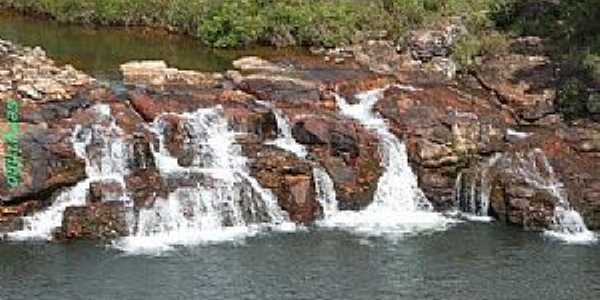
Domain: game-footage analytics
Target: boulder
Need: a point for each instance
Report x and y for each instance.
(289, 178)
(348, 152)
(97, 221)
(157, 73)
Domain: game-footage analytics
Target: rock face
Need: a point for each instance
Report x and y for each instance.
(478, 128)
(290, 179)
(443, 131)
(95, 221)
(347, 151)
(32, 75)
(157, 73)
(525, 84)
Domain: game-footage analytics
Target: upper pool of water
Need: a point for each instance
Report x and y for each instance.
(100, 50)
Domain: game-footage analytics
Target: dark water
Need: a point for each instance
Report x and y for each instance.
(100, 51)
(469, 261)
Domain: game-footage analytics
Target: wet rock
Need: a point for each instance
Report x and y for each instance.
(290, 179)
(48, 164)
(240, 109)
(105, 191)
(348, 152)
(97, 221)
(10, 215)
(444, 131)
(280, 88)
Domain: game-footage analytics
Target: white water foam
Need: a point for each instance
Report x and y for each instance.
(108, 165)
(399, 206)
(568, 225)
(225, 204)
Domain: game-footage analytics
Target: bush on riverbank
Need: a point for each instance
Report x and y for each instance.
(233, 23)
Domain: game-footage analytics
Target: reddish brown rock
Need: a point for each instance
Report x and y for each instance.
(348, 152)
(444, 131)
(290, 179)
(97, 221)
(105, 191)
(525, 84)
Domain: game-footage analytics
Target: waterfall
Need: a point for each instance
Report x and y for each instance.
(110, 164)
(473, 194)
(223, 203)
(325, 191)
(399, 206)
(285, 140)
(568, 224)
(324, 186)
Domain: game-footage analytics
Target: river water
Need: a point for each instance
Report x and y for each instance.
(469, 261)
(461, 261)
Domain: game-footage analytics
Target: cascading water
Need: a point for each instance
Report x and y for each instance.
(325, 191)
(285, 140)
(568, 225)
(473, 194)
(324, 185)
(106, 157)
(224, 203)
(399, 206)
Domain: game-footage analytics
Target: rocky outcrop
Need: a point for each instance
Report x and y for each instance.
(347, 151)
(444, 131)
(30, 74)
(449, 128)
(289, 178)
(97, 221)
(524, 84)
(157, 73)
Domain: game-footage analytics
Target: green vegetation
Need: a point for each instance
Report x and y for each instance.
(571, 29)
(233, 23)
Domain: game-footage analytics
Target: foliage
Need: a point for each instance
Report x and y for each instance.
(572, 97)
(230, 23)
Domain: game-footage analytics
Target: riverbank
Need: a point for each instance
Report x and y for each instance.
(279, 23)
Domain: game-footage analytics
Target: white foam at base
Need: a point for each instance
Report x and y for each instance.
(111, 165)
(399, 207)
(229, 207)
(568, 225)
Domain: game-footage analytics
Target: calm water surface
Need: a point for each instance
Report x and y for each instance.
(100, 51)
(469, 261)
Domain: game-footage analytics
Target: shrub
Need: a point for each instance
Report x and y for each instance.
(572, 97)
(232, 23)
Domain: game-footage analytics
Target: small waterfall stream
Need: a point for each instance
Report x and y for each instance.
(399, 206)
(110, 164)
(472, 195)
(224, 203)
(285, 140)
(568, 225)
